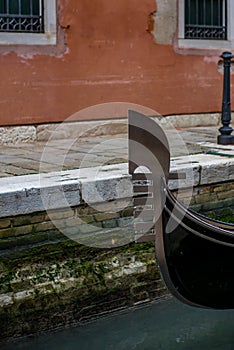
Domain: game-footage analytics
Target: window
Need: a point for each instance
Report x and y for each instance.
(22, 16)
(206, 24)
(206, 19)
(28, 22)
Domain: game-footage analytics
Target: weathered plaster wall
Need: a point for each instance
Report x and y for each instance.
(107, 52)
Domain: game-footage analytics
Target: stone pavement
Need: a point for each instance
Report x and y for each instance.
(95, 170)
(67, 154)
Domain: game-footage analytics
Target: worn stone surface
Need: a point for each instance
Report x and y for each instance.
(192, 120)
(107, 185)
(165, 21)
(80, 131)
(76, 130)
(17, 134)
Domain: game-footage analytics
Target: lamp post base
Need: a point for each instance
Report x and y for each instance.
(226, 140)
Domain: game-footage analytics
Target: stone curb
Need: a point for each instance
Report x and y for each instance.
(38, 192)
(78, 129)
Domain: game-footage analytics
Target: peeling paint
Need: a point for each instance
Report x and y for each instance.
(211, 59)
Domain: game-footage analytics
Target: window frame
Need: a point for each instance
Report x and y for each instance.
(49, 37)
(205, 43)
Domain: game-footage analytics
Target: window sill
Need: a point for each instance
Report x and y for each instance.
(28, 39)
(205, 44)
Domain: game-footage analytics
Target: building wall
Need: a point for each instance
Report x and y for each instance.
(108, 52)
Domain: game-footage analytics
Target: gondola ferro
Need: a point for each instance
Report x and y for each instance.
(195, 253)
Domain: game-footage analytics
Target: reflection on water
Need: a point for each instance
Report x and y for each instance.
(163, 325)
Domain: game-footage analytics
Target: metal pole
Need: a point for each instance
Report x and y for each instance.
(226, 138)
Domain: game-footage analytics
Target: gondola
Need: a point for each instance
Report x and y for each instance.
(195, 253)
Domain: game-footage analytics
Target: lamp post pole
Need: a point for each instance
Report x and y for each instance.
(226, 138)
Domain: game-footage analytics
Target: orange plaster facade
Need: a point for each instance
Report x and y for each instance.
(105, 54)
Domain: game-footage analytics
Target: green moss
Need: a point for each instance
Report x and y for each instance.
(224, 218)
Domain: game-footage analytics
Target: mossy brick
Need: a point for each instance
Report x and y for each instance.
(23, 230)
(30, 239)
(226, 194)
(60, 214)
(224, 187)
(185, 193)
(39, 218)
(127, 212)
(97, 226)
(21, 220)
(222, 212)
(126, 221)
(85, 210)
(138, 288)
(110, 223)
(5, 223)
(57, 236)
(213, 205)
(75, 221)
(206, 198)
(87, 218)
(187, 200)
(16, 231)
(197, 207)
(5, 233)
(6, 244)
(201, 190)
(105, 216)
(43, 226)
(70, 231)
(27, 219)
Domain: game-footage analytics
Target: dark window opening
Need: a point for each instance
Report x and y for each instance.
(206, 19)
(23, 16)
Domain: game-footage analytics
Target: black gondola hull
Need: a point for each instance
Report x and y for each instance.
(196, 257)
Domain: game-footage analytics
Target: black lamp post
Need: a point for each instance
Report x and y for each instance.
(226, 138)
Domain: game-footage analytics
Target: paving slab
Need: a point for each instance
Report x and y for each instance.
(28, 158)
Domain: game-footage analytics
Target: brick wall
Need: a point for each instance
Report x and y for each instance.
(46, 279)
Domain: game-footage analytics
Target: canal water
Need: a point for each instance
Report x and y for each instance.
(167, 324)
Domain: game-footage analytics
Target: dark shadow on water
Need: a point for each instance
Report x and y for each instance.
(166, 325)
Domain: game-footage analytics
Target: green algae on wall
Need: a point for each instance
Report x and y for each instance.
(68, 282)
(48, 280)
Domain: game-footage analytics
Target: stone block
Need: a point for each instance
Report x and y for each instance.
(6, 299)
(5, 223)
(16, 231)
(77, 130)
(136, 267)
(109, 223)
(95, 227)
(22, 230)
(209, 197)
(215, 169)
(191, 120)
(125, 221)
(21, 220)
(214, 205)
(226, 194)
(105, 216)
(30, 239)
(4, 233)
(43, 226)
(6, 244)
(17, 134)
(105, 190)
